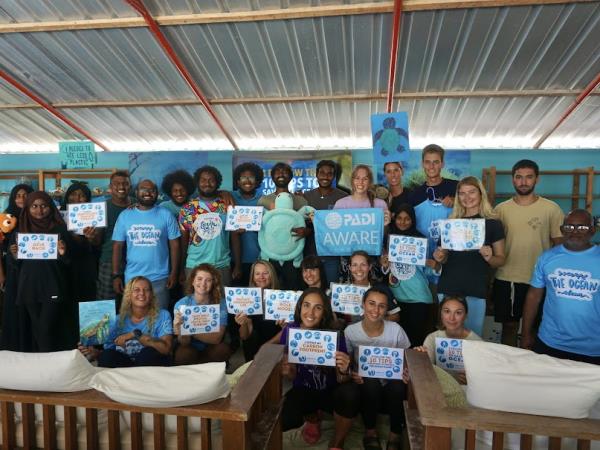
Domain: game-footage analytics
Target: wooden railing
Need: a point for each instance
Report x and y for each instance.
(249, 415)
(430, 420)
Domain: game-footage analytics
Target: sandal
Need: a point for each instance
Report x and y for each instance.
(311, 432)
(371, 443)
(394, 444)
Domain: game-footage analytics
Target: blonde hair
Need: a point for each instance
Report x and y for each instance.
(126, 308)
(215, 294)
(485, 208)
(270, 269)
(370, 193)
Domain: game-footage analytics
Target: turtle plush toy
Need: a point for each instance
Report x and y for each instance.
(275, 236)
(8, 222)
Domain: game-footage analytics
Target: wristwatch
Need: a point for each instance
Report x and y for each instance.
(137, 333)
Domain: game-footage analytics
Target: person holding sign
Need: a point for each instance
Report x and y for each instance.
(377, 395)
(255, 330)
(204, 286)
(142, 334)
(42, 286)
(466, 273)
(317, 387)
(409, 282)
(453, 314)
(83, 270)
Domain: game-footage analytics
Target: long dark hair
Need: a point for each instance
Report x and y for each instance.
(327, 322)
(12, 200)
(314, 262)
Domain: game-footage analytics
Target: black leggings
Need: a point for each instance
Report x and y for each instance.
(299, 402)
(147, 357)
(376, 398)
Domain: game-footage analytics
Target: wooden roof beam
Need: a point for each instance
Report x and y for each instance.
(273, 14)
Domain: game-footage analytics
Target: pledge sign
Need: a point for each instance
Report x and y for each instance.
(339, 232)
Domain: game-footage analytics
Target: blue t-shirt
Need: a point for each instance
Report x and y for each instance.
(249, 239)
(190, 301)
(171, 206)
(409, 283)
(147, 235)
(426, 214)
(571, 319)
(162, 326)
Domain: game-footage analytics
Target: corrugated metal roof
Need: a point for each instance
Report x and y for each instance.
(543, 47)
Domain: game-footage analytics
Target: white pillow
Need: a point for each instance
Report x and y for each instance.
(164, 386)
(516, 380)
(66, 371)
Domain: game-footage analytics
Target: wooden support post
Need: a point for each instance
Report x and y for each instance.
(589, 190)
(7, 411)
(71, 428)
(137, 438)
(182, 433)
(470, 440)
(91, 428)
(526, 442)
(583, 444)
(437, 438)
(159, 431)
(554, 443)
(237, 435)
(28, 422)
(114, 430)
(575, 190)
(497, 441)
(205, 433)
(49, 417)
(492, 189)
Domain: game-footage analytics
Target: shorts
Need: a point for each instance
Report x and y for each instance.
(509, 299)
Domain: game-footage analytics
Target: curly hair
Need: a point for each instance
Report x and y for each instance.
(216, 291)
(328, 320)
(181, 177)
(209, 169)
(272, 274)
(126, 308)
(248, 167)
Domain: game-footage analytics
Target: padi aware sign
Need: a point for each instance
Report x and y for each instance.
(339, 232)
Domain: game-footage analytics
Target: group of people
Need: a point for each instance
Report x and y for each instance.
(156, 258)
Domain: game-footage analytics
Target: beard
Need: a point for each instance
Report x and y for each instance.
(525, 190)
(146, 202)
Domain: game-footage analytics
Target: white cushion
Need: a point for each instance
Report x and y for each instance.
(516, 380)
(164, 386)
(66, 371)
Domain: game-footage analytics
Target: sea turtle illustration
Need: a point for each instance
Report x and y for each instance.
(390, 138)
(275, 236)
(98, 330)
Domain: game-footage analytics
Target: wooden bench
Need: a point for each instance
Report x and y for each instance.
(430, 420)
(250, 415)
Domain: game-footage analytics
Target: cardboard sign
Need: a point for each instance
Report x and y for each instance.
(77, 155)
(448, 354)
(83, 215)
(314, 347)
(95, 321)
(198, 319)
(280, 305)
(247, 218)
(247, 300)
(208, 226)
(347, 298)
(37, 246)
(380, 362)
(407, 250)
(338, 232)
(462, 234)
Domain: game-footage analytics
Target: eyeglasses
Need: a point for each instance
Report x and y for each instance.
(575, 227)
(250, 179)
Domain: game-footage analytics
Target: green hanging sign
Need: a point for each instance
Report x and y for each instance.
(77, 154)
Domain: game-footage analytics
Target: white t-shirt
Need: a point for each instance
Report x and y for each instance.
(393, 336)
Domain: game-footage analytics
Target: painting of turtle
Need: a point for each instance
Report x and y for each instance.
(95, 321)
(390, 136)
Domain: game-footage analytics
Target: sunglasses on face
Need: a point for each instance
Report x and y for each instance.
(575, 227)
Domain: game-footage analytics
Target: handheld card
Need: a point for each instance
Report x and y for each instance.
(247, 300)
(314, 347)
(198, 319)
(247, 218)
(448, 354)
(37, 246)
(83, 215)
(462, 234)
(380, 362)
(280, 305)
(347, 298)
(95, 320)
(407, 250)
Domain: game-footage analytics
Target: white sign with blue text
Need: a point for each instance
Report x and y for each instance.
(84, 215)
(37, 246)
(380, 362)
(339, 232)
(247, 300)
(199, 319)
(407, 250)
(247, 218)
(347, 298)
(448, 354)
(280, 305)
(462, 234)
(314, 347)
